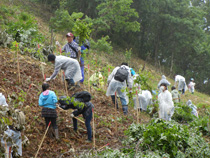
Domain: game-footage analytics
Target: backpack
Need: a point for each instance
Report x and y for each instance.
(121, 74)
(83, 96)
(20, 120)
(86, 43)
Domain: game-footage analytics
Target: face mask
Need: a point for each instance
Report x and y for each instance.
(162, 88)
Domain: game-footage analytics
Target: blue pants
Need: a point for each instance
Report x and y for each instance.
(123, 102)
(82, 69)
(87, 124)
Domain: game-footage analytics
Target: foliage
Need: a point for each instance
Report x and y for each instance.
(128, 54)
(5, 39)
(102, 45)
(117, 15)
(182, 113)
(201, 125)
(144, 79)
(82, 30)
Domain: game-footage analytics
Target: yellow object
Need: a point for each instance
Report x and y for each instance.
(97, 77)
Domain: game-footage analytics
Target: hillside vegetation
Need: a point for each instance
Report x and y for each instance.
(188, 137)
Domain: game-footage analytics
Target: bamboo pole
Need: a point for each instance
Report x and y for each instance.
(137, 106)
(94, 132)
(116, 112)
(18, 63)
(65, 84)
(89, 77)
(6, 150)
(42, 140)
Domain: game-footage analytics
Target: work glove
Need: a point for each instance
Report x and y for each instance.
(79, 48)
(72, 115)
(48, 79)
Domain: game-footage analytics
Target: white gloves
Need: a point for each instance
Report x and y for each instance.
(79, 48)
(57, 44)
(48, 79)
(72, 115)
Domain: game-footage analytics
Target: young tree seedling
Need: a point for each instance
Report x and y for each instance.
(116, 112)
(137, 107)
(18, 64)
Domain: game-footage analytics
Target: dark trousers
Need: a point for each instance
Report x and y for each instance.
(87, 124)
(53, 122)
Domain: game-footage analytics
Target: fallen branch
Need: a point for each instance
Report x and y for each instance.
(103, 147)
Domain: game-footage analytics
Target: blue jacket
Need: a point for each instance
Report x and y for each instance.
(48, 100)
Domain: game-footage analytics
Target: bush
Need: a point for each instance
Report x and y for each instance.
(201, 125)
(161, 139)
(182, 114)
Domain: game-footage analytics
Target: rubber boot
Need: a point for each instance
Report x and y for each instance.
(125, 109)
(56, 134)
(70, 85)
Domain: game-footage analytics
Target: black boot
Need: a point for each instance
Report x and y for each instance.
(70, 85)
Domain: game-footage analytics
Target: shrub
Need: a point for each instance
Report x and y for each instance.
(182, 113)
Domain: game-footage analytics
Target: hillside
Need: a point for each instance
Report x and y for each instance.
(71, 143)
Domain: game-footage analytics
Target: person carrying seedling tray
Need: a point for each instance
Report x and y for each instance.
(70, 66)
(81, 103)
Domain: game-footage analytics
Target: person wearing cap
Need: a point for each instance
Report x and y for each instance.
(71, 49)
(191, 86)
(70, 66)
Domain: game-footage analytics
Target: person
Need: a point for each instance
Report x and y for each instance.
(71, 49)
(166, 104)
(191, 86)
(117, 83)
(11, 140)
(163, 80)
(182, 83)
(70, 66)
(3, 100)
(193, 107)
(48, 100)
(144, 99)
(175, 94)
(82, 105)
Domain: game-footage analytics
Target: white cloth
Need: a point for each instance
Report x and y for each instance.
(166, 105)
(179, 78)
(15, 136)
(164, 80)
(70, 66)
(193, 107)
(192, 87)
(3, 100)
(117, 86)
(144, 99)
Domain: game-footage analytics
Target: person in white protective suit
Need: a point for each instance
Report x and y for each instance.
(191, 86)
(175, 94)
(3, 100)
(144, 99)
(70, 66)
(182, 84)
(164, 80)
(166, 104)
(117, 82)
(193, 107)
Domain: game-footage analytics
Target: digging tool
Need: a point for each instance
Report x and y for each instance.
(116, 112)
(94, 133)
(137, 108)
(42, 140)
(74, 116)
(103, 147)
(18, 64)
